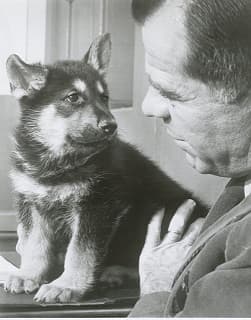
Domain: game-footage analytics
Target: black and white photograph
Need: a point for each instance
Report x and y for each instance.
(125, 158)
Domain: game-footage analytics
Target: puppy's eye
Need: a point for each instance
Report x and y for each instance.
(73, 98)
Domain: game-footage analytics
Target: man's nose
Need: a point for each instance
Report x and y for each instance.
(154, 105)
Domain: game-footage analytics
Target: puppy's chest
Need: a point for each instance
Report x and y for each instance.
(33, 190)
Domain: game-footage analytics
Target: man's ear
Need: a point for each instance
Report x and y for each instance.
(99, 54)
(25, 79)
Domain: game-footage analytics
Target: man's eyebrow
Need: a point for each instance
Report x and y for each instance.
(170, 94)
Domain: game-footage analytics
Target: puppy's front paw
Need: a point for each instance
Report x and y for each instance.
(56, 292)
(18, 283)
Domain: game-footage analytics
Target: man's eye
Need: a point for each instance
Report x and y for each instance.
(73, 97)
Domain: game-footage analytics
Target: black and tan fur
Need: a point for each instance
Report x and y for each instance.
(78, 186)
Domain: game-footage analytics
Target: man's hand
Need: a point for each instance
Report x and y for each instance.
(160, 260)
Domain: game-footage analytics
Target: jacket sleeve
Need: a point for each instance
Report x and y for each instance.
(226, 291)
(222, 293)
(150, 305)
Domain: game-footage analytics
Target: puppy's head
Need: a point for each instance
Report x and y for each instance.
(65, 106)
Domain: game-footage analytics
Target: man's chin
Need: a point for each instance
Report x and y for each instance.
(191, 160)
(219, 170)
(199, 165)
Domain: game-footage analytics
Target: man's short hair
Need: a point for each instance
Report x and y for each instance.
(142, 9)
(219, 37)
(219, 33)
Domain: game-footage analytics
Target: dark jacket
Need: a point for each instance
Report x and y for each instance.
(215, 280)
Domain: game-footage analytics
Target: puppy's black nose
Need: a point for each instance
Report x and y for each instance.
(109, 127)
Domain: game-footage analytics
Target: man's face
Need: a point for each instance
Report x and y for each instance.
(215, 136)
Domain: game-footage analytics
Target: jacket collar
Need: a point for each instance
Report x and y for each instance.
(230, 197)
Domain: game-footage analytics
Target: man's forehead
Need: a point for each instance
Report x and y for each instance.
(164, 36)
(167, 49)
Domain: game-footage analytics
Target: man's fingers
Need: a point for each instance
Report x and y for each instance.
(176, 227)
(179, 221)
(154, 229)
(193, 231)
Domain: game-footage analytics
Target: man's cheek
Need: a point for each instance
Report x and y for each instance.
(204, 143)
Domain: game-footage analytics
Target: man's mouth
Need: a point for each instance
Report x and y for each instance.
(173, 135)
(184, 145)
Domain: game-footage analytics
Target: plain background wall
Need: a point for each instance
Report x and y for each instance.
(22, 31)
(8, 118)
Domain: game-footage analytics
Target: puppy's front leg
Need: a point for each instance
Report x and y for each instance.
(34, 246)
(79, 270)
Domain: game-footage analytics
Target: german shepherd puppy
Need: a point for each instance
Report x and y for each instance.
(77, 185)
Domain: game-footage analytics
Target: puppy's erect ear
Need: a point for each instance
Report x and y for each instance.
(25, 79)
(99, 54)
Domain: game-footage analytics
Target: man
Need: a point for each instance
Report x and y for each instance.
(198, 60)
